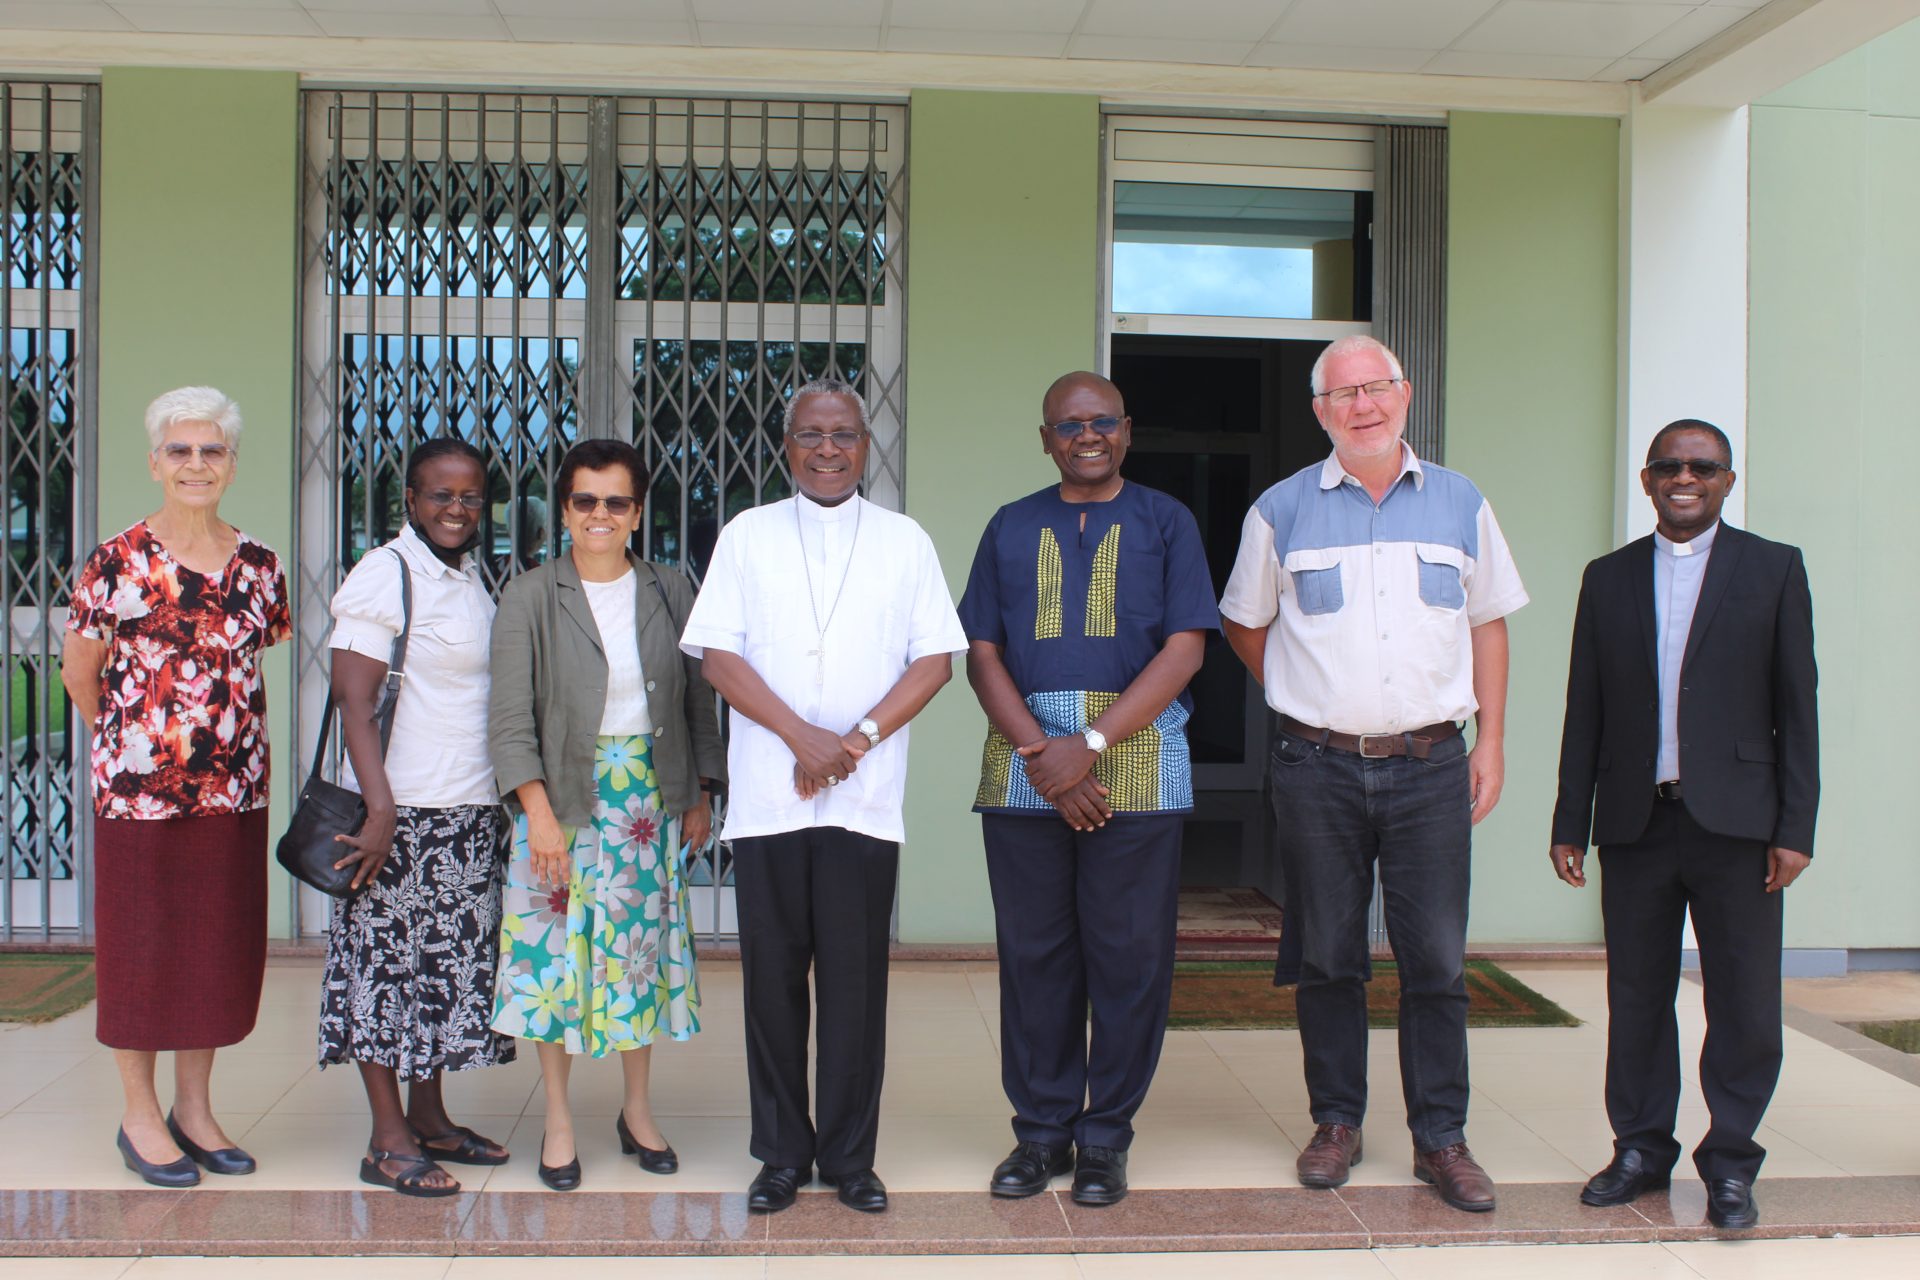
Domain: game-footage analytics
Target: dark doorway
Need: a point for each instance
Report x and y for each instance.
(1215, 422)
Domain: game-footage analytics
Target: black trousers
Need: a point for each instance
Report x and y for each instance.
(1082, 918)
(819, 899)
(1646, 890)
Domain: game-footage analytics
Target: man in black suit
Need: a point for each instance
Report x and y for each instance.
(1690, 757)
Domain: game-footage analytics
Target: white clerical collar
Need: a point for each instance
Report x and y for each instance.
(1699, 545)
(1333, 475)
(819, 514)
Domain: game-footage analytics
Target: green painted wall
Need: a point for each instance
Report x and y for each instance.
(1001, 300)
(199, 251)
(1835, 281)
(1532, 253)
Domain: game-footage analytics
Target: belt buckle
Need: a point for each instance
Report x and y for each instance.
(1385, 738)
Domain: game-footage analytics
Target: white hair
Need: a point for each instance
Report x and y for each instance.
(194, 404)
(1352, 343)
(824, 387)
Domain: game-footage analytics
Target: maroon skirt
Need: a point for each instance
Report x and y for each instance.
(180, 927)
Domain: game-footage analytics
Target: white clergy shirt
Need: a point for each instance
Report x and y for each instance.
(1678, 570)
(438, 756)
(892, 611)
(1369, 608)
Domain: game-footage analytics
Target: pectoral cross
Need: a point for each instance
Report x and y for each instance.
(819, 657)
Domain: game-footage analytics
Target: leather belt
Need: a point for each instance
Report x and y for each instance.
(1417, 743)
(1667, 790)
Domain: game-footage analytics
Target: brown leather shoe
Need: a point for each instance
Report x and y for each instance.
(1334, 1150)
(1459, 1178)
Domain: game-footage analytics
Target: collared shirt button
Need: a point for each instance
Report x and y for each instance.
(1379, 551)
(649, 686)
(660, 732)
(1383, 635)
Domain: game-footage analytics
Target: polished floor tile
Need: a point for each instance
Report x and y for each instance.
(607, 1269)
(1318, 1264)
(935, 1223)
(1208, 1219)
(287, 1268)
(1526, 1212)
(64, 1268)
(1504, 1262)
(1876, 1259)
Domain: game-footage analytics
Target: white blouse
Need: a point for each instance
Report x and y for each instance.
(613, 606)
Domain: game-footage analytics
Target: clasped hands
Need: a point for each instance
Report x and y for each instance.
(823, 758)
(1061, 770)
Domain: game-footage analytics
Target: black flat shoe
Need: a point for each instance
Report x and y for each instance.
(773, 1189)
(1029, 1169)
(860, 1190)
(471, 1149)
(661, 1161)
(174, 1174)
(1622, 1181)
(228, 1160)
(412, 1178)
(563, 1177)
(1730, 1204)
(1100, 1176)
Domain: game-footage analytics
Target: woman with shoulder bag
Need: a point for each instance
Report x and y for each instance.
(604, 735)
(408, 987)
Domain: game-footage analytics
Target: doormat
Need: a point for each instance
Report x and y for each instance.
(1228, 915)
(1239, 995)
(38, 987)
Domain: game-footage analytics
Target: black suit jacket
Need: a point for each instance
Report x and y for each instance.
(1749, 737)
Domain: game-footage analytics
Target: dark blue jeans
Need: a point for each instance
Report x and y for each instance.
(1338, 814)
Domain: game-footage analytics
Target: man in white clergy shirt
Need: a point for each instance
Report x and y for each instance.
(825, 623)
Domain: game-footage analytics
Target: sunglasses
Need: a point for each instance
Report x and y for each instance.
(1702, 468)
(1069, 429)
(447, 498)
(844, 440)
(618, 504)
(211, 454)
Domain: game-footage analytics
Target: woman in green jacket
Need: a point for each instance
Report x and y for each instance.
(604, 739)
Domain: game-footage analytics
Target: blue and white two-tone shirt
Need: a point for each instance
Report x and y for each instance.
(1368, 607)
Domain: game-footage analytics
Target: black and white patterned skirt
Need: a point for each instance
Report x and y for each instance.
(410, 962)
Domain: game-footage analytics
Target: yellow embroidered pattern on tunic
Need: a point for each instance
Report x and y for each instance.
(1046, 614)
(996, 768)
(1129, 768)
(1101, 585)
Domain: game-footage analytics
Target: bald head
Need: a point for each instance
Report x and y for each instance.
(1071, 382)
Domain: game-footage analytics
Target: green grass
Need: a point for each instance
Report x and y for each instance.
(25, 699)
(1903, 1034)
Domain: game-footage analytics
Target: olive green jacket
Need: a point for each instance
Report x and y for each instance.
(550, 687)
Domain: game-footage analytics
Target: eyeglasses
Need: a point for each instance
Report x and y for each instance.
(446, 498)
(1070, 428)
(617, 504)
(814, 439)
(1379, 390)
(212, 454)
(1702, 468)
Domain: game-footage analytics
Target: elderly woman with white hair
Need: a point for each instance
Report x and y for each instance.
(162, 659)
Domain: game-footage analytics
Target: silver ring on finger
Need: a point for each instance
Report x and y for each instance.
(833, 779)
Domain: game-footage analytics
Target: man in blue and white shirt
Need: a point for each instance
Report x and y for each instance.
(1370, 598)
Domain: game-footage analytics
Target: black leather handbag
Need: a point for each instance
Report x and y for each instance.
(325, 809)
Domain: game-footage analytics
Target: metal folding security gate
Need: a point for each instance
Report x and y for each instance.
(48, 181)
(525, 271)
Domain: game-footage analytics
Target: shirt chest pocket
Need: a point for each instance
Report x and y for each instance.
(1441, 583)
(1314, 578)
(461, 642)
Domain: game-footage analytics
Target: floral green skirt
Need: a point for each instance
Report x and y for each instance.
(606, 962)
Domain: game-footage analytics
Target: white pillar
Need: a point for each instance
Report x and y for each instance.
(1683, 288)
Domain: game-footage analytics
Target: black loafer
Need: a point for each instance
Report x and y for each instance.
(1029, 1169)
(661, 1161)
(1622, 1181)
(561, 1177)
(174, 1174)
(1730, 1204)
(773, 1189)
(860, 1190)
(1100, 1176)
(228, 1160)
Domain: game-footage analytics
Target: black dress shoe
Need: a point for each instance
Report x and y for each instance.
(1100, 1176)
(174, 1174)
(661, 1161)
(860, 1190)
(772, 1189)
(1730, 1205)
(1028, 1170)
(227, 1160)
(1622, 1181)
(561, 1177)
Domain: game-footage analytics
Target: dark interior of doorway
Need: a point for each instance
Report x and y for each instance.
(1215, 422)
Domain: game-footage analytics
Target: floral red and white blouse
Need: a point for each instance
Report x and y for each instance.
(183, 711)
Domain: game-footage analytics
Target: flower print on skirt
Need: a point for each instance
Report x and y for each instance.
(605, 962)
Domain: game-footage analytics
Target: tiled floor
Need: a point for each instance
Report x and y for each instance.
(1228, 1111)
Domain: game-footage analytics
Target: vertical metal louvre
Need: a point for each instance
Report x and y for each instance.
(523, 271)
(48, 140)
(1410, 270)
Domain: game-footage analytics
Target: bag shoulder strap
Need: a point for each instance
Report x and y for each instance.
(383, 707)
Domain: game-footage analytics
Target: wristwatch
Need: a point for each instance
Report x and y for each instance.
(1096, 740)
(870, 729)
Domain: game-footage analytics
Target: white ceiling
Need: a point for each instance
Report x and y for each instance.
(1601, 40)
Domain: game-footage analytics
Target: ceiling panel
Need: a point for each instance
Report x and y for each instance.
(1131, 49)
(774, 35)
(793, 13)
(1432, 25)
(1529, 66)
(424, 8)
(1630, 69)
(1338, 57)
(410, 26)
(1015, 44)
(1689, 32)
(194, 19)
(76, 15)
(631, 10)
(1574, 28)
(532, 30)
(1206, 20)
(1057, 16)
